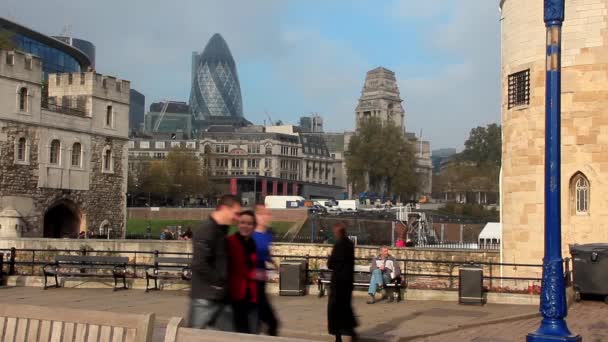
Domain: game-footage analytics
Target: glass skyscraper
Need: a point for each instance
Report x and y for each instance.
(216, 91)
(56, 55)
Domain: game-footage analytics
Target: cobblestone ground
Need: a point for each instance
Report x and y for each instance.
(588, 319)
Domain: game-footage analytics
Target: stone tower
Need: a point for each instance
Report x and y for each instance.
(380, 98)
(584, 129)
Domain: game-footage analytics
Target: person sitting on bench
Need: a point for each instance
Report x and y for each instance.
(384, 270)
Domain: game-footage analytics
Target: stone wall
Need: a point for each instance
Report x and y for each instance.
(584, 130)
(104, 201)
(284, 215)
(425, 261)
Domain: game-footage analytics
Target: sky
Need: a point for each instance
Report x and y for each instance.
(300, 57)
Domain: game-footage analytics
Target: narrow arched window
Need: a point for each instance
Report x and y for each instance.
(55, 152)
(107, 160)
(109, 118)
(22, 150)
(76, 154)
(581, 191)
(23, 99)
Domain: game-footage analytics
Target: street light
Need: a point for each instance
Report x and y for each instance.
(553, 306)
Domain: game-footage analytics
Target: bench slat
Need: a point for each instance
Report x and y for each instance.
(118, 334)
(81, 333)
(56, 330)
(91, 259)
(32, 331)
(11, 326)
(163, 260)
(45, 330)
(106, 332)
(68, 332)
(93, 333)
(130, 335)
(22, 325)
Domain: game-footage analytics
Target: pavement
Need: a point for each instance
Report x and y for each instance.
(305, 317)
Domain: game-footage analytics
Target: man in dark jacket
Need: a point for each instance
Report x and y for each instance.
(209, 267)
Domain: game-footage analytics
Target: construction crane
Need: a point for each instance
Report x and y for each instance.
(271, 123)
(161, 116)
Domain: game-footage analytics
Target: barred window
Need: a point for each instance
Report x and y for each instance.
(519, 89)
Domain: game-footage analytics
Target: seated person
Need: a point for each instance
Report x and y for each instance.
(384, 270)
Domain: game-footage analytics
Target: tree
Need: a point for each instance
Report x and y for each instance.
(484, 145)
(477, 168)
(186, 173)
(379, 158)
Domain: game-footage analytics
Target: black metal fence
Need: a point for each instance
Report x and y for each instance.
(418, 273)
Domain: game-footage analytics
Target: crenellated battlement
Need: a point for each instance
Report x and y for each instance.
(89, 83)
(20, 65)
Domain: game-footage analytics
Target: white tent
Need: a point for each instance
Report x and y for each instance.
(491, 233)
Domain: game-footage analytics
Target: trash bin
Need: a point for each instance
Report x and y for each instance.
(470, 285)
(590, 269)
(292, 278)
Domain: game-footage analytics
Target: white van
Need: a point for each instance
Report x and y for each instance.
(348, 205)
(280, 202)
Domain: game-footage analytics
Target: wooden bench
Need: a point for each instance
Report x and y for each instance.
(362, 278)
(168, 268)
(86, 266)
(23, 323)
(176, 333)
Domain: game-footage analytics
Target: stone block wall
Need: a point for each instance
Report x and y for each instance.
(103, 202)
(584, 130)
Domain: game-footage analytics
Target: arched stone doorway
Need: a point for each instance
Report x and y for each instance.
(62, 220)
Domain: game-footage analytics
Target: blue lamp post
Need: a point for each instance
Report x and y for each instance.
(553, 305)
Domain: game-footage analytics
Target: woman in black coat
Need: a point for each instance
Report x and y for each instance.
(341, 320)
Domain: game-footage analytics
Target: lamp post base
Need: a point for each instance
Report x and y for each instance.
(553, 330)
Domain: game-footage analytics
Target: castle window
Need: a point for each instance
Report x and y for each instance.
(519, 89)
(29, 63)
(580, 186)
(55, 152)
(10, 58)
(23, 99)
(268, 150)
(109, 117)
(76, 154)
(107, 160)
(22, 151)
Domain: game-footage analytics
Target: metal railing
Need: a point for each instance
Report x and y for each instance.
(63, 109)
(418, 273)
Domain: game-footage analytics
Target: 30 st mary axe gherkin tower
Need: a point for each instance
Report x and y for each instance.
(215, 84)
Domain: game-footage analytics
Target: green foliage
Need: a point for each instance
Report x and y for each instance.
(380, 154)
(477, 168)
(179, 175)
(470, 210)
(484, 145)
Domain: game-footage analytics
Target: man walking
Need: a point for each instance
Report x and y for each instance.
(209, 267)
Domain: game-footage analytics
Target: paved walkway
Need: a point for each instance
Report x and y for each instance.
(306, 316)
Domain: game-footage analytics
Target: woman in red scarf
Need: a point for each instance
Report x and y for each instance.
(242, 286)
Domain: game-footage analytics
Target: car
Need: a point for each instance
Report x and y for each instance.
(317, 209)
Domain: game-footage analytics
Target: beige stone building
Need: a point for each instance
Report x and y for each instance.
(584, 181)
(63, 151)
